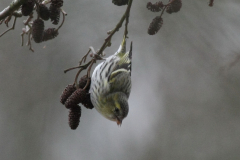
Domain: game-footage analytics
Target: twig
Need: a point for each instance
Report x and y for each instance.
(7, 20)
(81, 66)
(46, 1)
(29, 42)
(28, 20)
(165, 6)
(17, 13)
(88, 74)
(13, 26)
(62, 20)
(127, 21)
(22, 39)
(84, 57)
(76, 78)
(108, 39)
(64, 12)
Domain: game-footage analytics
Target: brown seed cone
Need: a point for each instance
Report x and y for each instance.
(27, 7)
(155, 25)
(120, 2)
(155, 7)
(54, 14)
(49, 34)
(74, 117)
(87, 102)
(57, 3)
(83, 82)
(67, 93)
(79, 96)
(175, 6)
(76, 98)
(44, 12)
(37, 30)
(210, 3)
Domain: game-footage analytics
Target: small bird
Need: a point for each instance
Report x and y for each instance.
(111, 85)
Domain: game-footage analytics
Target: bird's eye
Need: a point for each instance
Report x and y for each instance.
(116, 110)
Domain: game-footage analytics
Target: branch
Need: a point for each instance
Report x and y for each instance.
(13, 26)
(108, 39)
(11, 8)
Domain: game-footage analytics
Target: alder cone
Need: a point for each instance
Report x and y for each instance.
(43, 12)
(27, 7)
(155, 25)
(74, 117)
(49, 34)
(37, 30)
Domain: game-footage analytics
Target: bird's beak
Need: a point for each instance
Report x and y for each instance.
(119, 122)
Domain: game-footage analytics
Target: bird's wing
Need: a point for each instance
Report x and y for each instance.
(120, 77)
(120, 81)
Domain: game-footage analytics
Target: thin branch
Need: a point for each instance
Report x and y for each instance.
(76, 78)
(62, 20)
(11, 8)
(165, 6)
(28, 20)
(88, 74)
(84, 57)
(13, 26)
(81, 66)
(64, 12)
(22, 38)
(29, 42)
(127, 20)
(108, 39)
(7, 20)
(46, 1)
(17, 14)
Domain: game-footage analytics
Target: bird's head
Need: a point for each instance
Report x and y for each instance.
(115, 107)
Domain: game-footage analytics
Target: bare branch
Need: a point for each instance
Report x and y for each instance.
(63, 13)
(13, 26)
(29, 42)
(108, 39)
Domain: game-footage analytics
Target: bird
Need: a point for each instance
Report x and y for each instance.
(111, 84)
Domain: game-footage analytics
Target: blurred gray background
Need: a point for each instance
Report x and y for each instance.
(185, 99)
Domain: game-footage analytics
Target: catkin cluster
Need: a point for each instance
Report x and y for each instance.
(72, 96)
(173, 6)
(44, 13)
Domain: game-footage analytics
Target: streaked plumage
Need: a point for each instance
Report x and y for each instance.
(111, 85)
